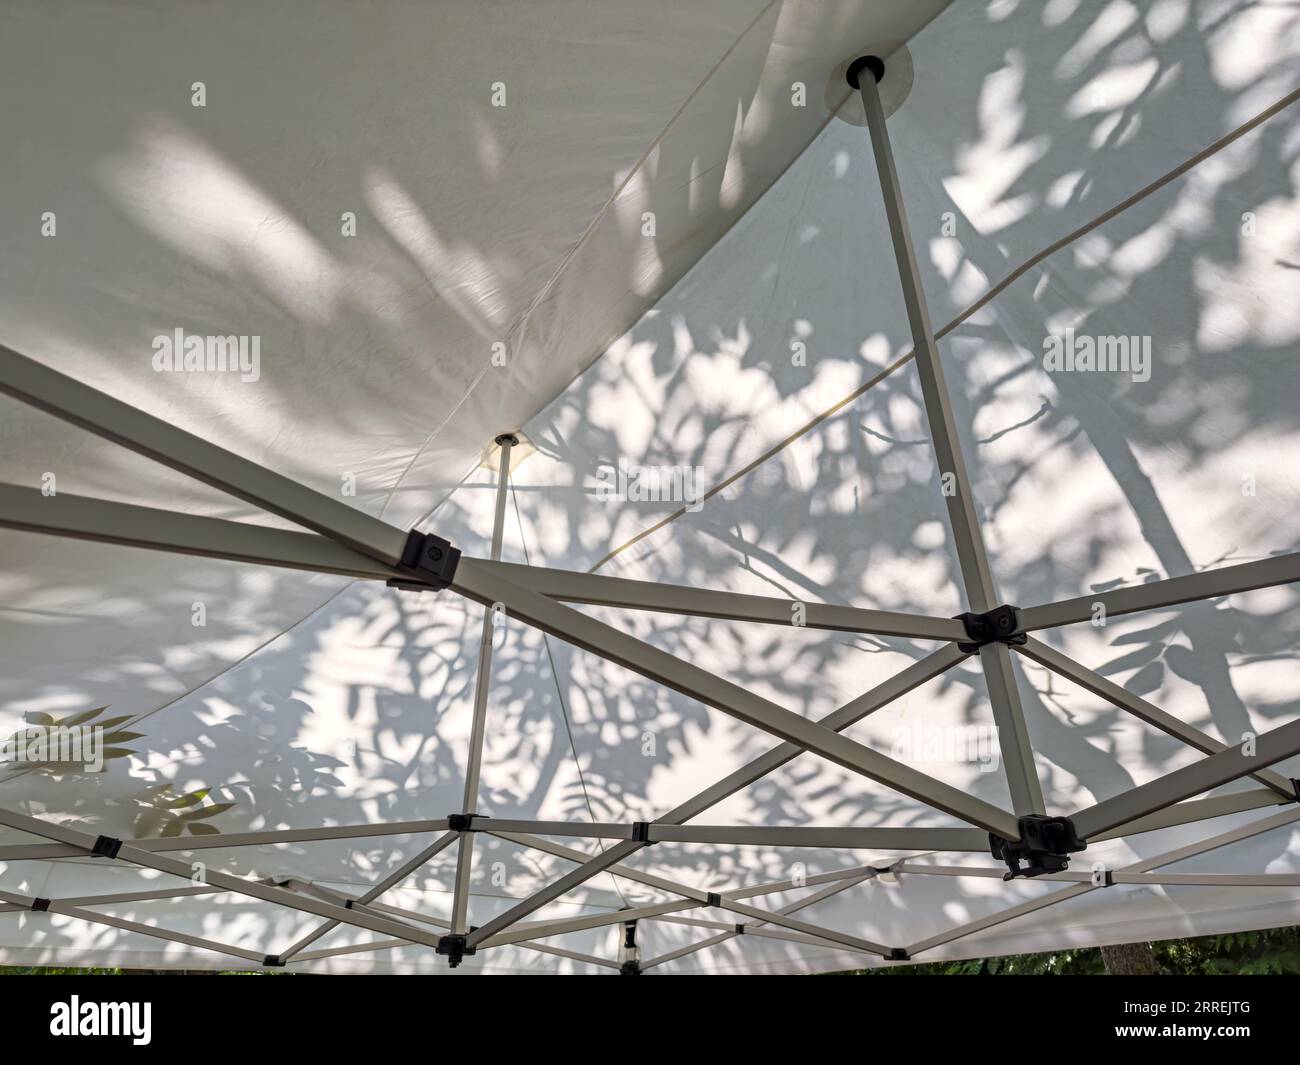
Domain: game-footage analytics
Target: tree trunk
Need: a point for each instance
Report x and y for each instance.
(1130, 959)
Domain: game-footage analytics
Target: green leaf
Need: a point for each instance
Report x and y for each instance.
(207, 811)
(81, 719)
(204, 830)
(116, 752)
(192, 799)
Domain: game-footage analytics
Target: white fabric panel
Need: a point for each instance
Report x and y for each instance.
(1025, 122)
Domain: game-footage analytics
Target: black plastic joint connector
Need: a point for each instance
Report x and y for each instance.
(898, 954)
(1045, 845)
(641, 833)
(106, 847)
(454, 949)
(739, 930)
(866, 62)
(429, 560)
(630, 968)
(40, 905)
(714, 900)
(997, 625)
(349, 904)
(1295, 786)
(461, 822)
(273, 961)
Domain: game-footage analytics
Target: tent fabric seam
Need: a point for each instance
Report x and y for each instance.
(979, 304)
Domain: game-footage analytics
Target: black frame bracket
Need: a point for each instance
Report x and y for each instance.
(462, 822)
(999, 625)
(430, 560)
(1045, 845)
(454, 949)
(106, 847)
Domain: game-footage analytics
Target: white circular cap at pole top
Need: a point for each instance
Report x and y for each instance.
(846, 104)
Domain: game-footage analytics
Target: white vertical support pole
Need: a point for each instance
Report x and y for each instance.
(465, 853)
(977, 577)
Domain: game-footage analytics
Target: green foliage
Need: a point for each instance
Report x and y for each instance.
(1055, 963)
(114, 740)
(1271, 952)
(164, 813)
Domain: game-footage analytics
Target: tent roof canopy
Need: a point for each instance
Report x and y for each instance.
(926, 830)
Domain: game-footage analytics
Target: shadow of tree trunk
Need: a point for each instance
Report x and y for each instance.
(1130, 959)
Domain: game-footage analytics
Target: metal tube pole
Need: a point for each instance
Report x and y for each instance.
(39, 386)
(1235, 835)
(108, 920)
(755, 927)
(465, 852)
(1090, 680)
(590, 634)
(599, 590)
(853, 711)
(425, 856)
(1017, 755)
(1229, 764)
(1170, 592)
(224, 881)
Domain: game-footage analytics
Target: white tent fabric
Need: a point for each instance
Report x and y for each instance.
(766, 297)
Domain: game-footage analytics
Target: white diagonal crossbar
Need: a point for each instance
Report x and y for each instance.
(103, 521)
(1192, 850)
(388, 944)
(1183, 813)
(1116, 695)
(968, 539)
(598, 590)
(394, 878)
(730, 901)
(250, 888)
(756, 927)
(1172, 591)
(911, 677)
(39, 386)
(486, 586)
(69, 909)
(19, 852)
(1229, 764)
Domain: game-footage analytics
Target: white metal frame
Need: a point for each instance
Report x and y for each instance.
(342, 540)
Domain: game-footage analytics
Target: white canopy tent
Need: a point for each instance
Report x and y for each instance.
(396, 644)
